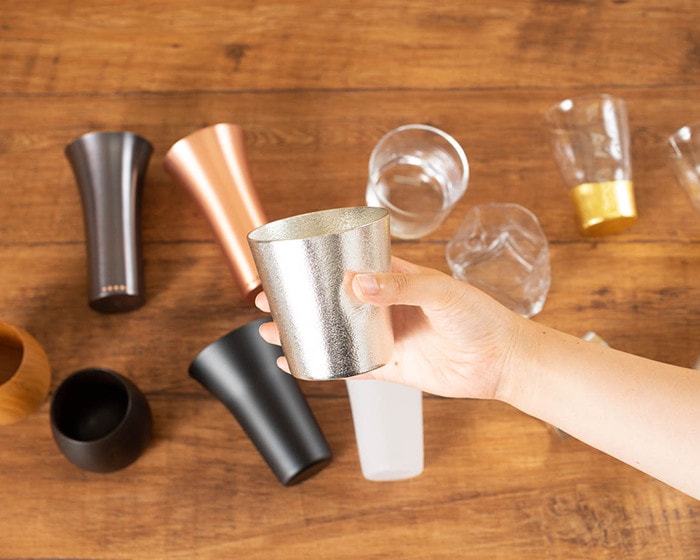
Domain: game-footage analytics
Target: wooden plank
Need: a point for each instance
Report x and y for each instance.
(641, 298)
(309, 151)
(496, 483)
(315, 85)
(66, 47)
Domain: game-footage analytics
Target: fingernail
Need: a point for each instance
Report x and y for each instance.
(368, 284)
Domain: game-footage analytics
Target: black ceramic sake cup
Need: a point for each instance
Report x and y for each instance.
(100, 420)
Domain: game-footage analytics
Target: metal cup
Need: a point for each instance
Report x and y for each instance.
(109, 168)
(211, 165)
(305, 263)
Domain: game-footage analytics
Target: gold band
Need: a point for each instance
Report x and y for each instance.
(604, 208)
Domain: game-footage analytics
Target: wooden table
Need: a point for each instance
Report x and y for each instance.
(315, 85)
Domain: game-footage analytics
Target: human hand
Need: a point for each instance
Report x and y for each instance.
(453, 340)
(450, 338)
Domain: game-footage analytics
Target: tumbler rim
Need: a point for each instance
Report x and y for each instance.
(120, 379)
(550, 115)
(456, 146)
(105, 133)
(302, 227)
(682, 135)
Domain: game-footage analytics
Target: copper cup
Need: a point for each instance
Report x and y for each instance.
(211, 164)
(25, 375)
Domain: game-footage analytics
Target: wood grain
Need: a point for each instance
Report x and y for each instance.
(315, 85)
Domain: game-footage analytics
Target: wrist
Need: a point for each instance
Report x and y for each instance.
(519, 373)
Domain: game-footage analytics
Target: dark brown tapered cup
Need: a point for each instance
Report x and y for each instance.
(240, 370)
(211, 164)
(110, 168)
(100, 420)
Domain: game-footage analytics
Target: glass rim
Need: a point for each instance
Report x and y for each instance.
(682, 135)
(557, 108)
(503, 206)
(456, 146)
(453, 195)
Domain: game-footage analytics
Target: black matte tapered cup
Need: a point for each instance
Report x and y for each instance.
(110, 168)
(240, 370)
(100, 420)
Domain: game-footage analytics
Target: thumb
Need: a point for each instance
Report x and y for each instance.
(429, 290)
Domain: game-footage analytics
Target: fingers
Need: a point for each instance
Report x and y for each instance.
(370, 285)
(283, 365)
(270, 333)
(409, 285)
(400, 265)
(262, 303)
(397, 265)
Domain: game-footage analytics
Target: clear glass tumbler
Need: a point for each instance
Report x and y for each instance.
(591, 142)
(502, 250)
(684, 159)
(417, 173)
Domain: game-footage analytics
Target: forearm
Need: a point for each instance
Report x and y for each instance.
(642, 412)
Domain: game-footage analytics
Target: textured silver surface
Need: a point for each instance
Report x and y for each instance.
(305, 263)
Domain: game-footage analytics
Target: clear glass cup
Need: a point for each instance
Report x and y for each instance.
(502, 250)
(591, 142)
(417, 173)
(684, 160)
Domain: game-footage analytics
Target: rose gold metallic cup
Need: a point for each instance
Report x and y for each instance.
(211, 164)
